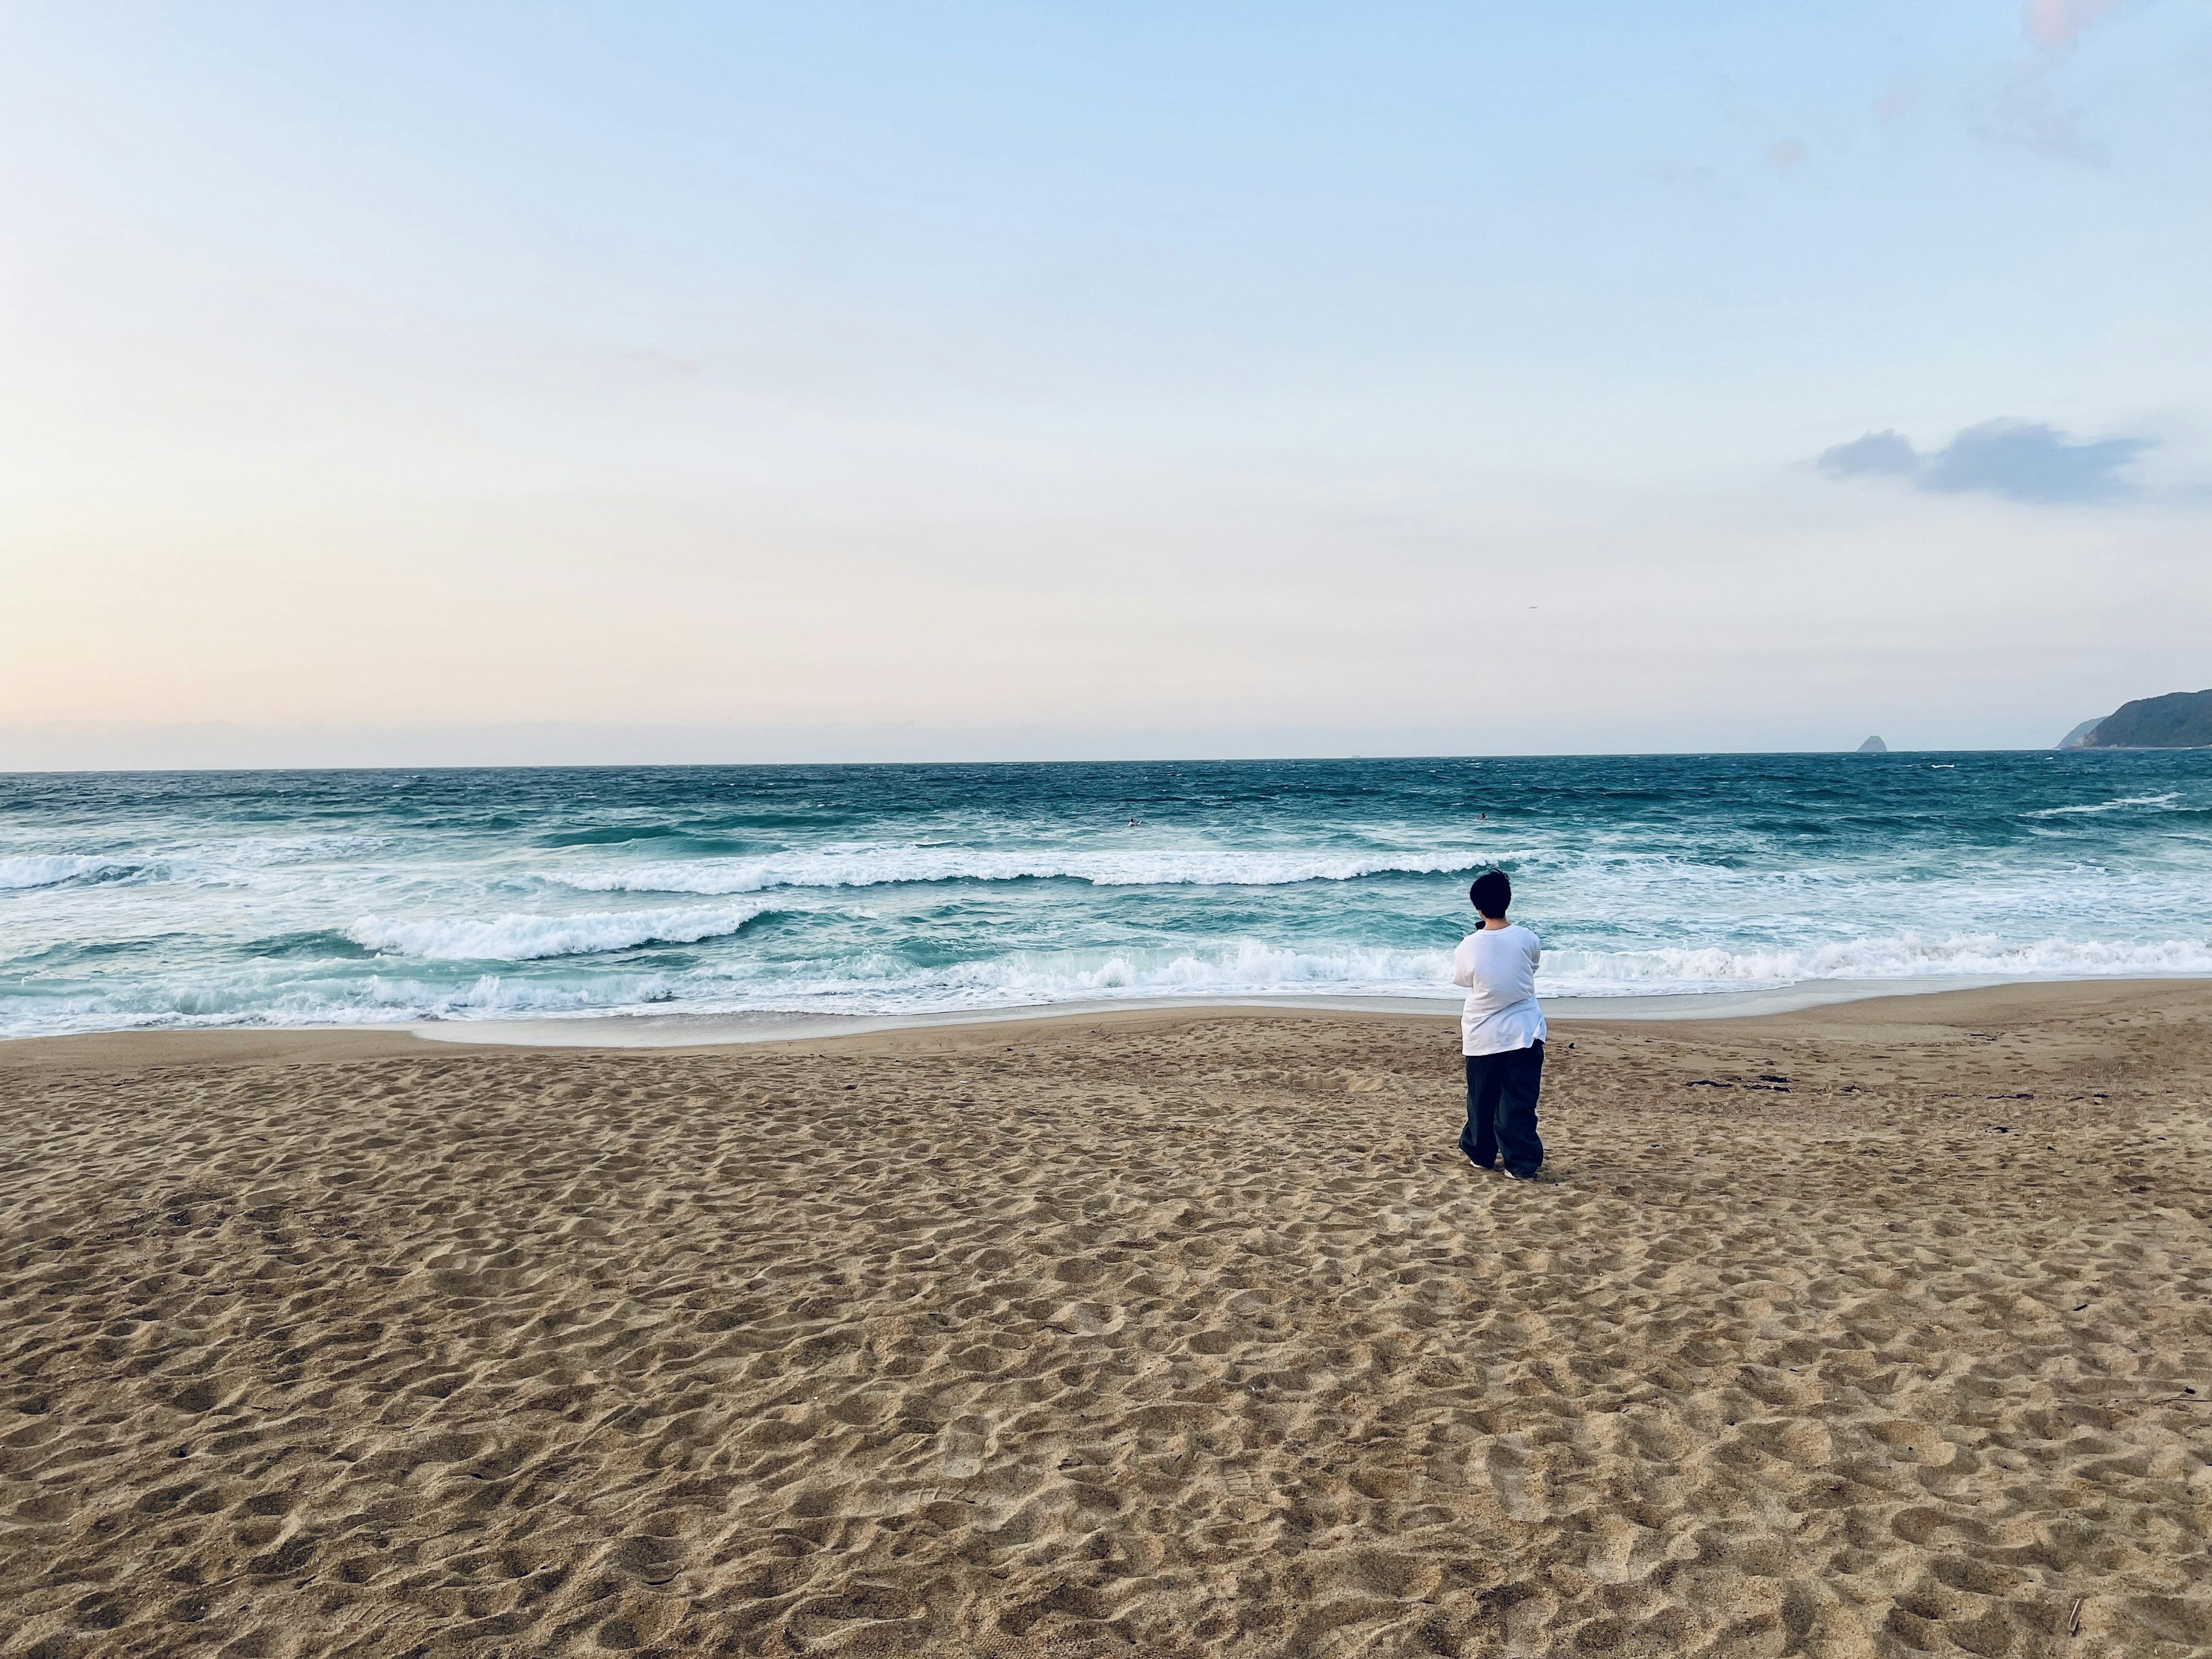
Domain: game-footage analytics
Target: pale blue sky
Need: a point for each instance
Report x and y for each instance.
(879, 382)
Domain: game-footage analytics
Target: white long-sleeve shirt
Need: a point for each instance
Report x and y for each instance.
(1498, 966)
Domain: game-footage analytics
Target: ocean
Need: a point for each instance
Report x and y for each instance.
(358, 897)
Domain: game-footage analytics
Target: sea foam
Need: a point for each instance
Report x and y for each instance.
(884, 865)
(30, 869)
(529, 938)
(1898, 957)
(2120, 806)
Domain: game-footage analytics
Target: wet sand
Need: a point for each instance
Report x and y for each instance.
(1878, 1329)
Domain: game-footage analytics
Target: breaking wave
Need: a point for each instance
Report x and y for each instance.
(1259, 967)
(2120, 806)
(51, 869)
(884, 866)
(531, 938)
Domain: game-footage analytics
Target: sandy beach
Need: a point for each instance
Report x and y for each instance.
(1878, 1329)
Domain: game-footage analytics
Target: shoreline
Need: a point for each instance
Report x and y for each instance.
(1788, 1009)
(719, 1030)
(691, 1031)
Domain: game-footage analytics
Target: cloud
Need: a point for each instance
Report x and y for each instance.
(2019, 460)
(1877, 451)
(2027, 113)
(2059, 23)
(2030, 462)
(1787, 156)
(2029, 116)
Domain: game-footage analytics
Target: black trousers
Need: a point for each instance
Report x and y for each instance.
(1501, 1108)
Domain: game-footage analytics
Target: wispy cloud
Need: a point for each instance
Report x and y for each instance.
(2019, 460)
(2059, 23)
(2027, 113)
(2030, 116)
(1876, 452)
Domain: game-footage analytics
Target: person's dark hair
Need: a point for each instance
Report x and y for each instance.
(1492, 893)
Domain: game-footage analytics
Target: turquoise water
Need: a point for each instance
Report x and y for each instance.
(318, 898)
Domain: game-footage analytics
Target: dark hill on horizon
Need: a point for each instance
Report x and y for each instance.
(2179, 720)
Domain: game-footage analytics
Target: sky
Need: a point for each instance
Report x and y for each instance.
(409, 384)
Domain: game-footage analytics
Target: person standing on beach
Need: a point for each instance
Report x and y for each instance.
(1501, 1034)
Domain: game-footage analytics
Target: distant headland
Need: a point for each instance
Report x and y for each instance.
(2179, 720)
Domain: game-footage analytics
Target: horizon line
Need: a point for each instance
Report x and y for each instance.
(1158, 760)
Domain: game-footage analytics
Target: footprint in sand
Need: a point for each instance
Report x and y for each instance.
(1512, 1478)
(962, 1444)
(1088, 1318)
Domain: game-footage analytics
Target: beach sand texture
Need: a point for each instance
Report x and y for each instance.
(1162, 1334)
